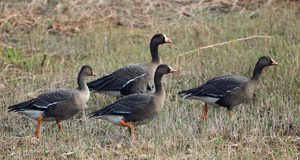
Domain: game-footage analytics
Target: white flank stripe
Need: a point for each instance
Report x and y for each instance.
(122, 112)
(133, 79)
(45, 107)
(232, 89)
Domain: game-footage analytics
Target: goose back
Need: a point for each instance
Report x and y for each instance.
(215, 88)
(137, 78)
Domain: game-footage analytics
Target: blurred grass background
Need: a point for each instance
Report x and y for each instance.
(44, 44)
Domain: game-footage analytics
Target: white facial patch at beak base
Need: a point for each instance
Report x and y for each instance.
(167, 40)
(274, 62)
(172, 70)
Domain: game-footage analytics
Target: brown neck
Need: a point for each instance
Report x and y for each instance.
(157, 82)
(81, 82)
(257, 72)
(154, 53)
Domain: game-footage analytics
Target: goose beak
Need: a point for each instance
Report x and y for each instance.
(274, 62)
(168, 40)
(93, 74)
(172, 70)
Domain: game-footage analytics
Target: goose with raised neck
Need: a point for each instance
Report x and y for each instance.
(56, 105)
(136, 78)
(136, 109)
(228, 90)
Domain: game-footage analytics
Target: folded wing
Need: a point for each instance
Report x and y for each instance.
(43, 101)
(118, 79)
(215, 87)
(131, 107)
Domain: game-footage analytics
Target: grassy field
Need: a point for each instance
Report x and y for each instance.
(266, 127)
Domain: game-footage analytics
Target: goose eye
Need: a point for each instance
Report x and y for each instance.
(162, 37)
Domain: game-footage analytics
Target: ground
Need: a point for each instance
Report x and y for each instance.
(44, 54)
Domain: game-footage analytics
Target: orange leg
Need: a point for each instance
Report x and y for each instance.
(204, 114)
(130, 126)
(117, 98)
(60, 128)
(38, 130)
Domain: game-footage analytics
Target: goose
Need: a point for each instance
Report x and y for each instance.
(136, 78)
(136, 109)
(228, 90)
(57, 105)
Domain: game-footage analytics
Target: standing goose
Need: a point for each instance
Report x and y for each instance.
(229, 90)
(57, 105)
(136, 109)
(136, 78)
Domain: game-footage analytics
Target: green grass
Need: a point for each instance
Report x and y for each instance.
(266, 127)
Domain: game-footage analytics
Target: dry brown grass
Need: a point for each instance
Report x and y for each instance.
(69, 17)
(267, 127)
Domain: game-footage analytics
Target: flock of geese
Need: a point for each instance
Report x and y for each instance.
(139, 91)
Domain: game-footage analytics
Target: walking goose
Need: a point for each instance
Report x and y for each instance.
(57, 105)
(136, 109)
(228, 90)
(136, 78)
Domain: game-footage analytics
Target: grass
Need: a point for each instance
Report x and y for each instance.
(266, 127)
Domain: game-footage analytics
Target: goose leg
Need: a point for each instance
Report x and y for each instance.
(129, 129)
(38, 130)
(60, 128)
(130, 126)
(117, 98)
(204, 113)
